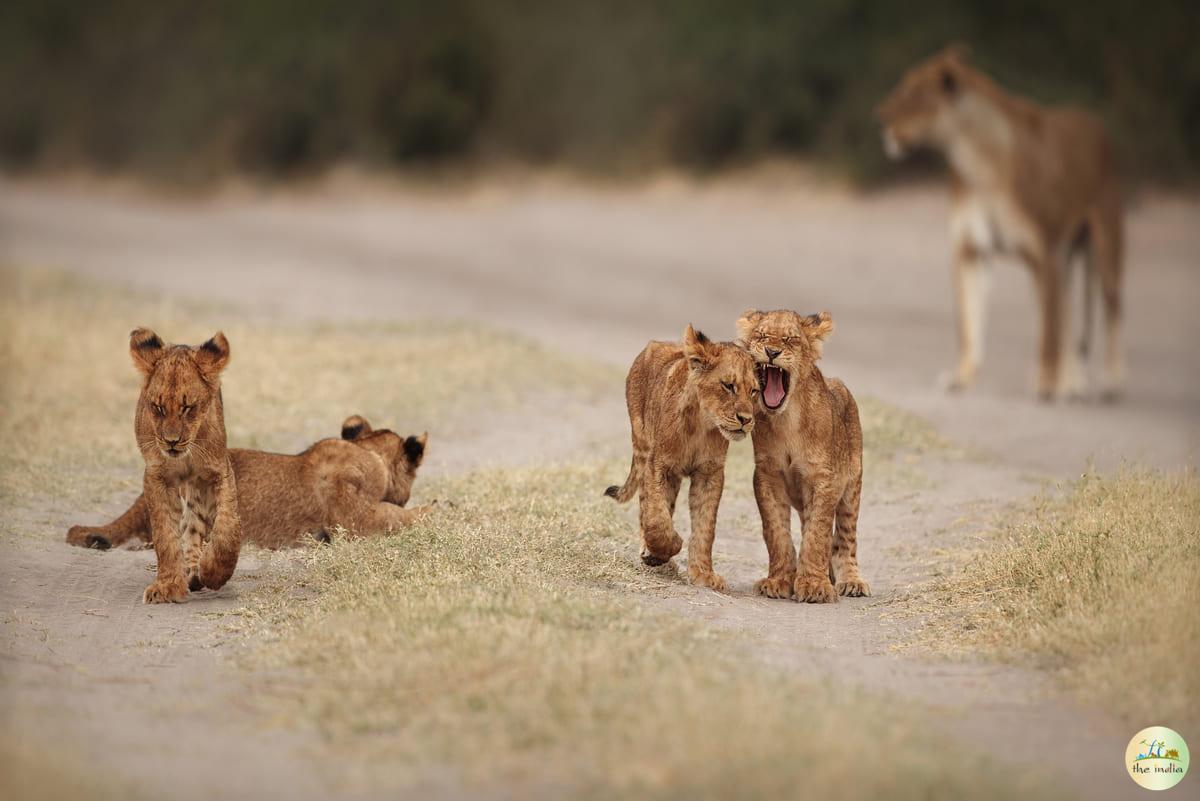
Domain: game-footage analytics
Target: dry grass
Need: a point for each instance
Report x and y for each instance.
(1099, 584)
(500, 642)
(68, 388)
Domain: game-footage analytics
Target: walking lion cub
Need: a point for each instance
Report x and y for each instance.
(189, 486)
(687, 401)
(807, 454)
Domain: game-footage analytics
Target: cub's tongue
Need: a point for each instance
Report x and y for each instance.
(773, 392)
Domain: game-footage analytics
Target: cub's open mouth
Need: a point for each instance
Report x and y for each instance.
(774, 384)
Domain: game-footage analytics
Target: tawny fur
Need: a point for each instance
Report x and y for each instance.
(807, 454)
(360, 483)
(1035, 182)
(686, 402)
(189, 487)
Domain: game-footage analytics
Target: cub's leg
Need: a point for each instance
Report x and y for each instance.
(816, 544)
(193, 527)
(704, 496)
(134, 523)
(844, 566)
(170, 583)
(776, 514)
(656, 507)
(220, 555)
(386, 518)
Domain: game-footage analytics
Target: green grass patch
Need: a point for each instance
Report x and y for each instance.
(1099, 584)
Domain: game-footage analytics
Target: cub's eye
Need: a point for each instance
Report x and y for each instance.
(187, 408)
(754, 392)
(159, 410)
(730, 388)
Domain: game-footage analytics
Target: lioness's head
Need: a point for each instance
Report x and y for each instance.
(921, 110)
(181, 386)
(785, 346)
(723, 377)
(402, 455)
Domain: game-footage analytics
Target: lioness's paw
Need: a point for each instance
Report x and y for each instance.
(815, 590)
(774, 587)
(853, 588)
(707, 578)
(166, 592)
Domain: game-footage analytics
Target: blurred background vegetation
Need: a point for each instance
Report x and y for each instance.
(188, 89)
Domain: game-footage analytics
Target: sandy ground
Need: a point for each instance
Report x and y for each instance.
(597, 271)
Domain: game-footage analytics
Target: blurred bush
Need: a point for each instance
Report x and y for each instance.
(194, 88)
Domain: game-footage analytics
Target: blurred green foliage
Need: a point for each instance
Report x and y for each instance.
(197, 87)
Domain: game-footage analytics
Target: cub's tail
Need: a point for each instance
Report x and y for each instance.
(624, 493)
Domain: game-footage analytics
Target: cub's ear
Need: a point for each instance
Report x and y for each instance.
(146, 348)
(213, 355)
(818, 327)
(746, 323)
(414, 448)
(957, 52)
(698, 349)
(354, 427)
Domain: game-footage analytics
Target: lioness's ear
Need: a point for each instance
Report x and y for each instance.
(697, 348)
(818, 327)
(146, 349)
(213, 355)
(354, 427)
(746, 323)
(414, 448)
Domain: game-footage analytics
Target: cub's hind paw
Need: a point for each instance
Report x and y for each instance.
(166, 592)
(853, 588)
(815, 590)
(707, 578)
(780, 587)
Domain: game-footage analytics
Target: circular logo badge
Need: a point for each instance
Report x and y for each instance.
(1157, 758)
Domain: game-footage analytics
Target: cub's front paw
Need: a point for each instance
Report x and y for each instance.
(166, 592)
(815, 590)
(853, 588)
(780, 587)
(707, 578)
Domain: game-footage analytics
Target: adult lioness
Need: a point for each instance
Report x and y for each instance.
(361, 487)
(189, 487)
(686, 402)
(1039, 183)
(807, 454)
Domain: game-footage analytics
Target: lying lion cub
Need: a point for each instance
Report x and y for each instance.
(686, 402)
(807, 454)
(360, 482)
(189, 488)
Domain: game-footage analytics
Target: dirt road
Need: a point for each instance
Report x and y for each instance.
(599, 271)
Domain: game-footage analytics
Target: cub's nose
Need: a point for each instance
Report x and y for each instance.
(772, 353)
(745, 418)
(171, 443)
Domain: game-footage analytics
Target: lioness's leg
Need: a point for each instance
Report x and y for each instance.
(1048, 276)
(844, 565)
(1107, 249)
(133, 523)
(170, 582)
(656, 507)
(704, 496)
(776, 514)
(225, 535)
(972, 279)
(816, 544)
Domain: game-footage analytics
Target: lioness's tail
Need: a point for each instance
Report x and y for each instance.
(625, 492)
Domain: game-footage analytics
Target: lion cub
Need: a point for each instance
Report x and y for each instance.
(686, 403)
(189, 486)
(282, 500)
(807, 454)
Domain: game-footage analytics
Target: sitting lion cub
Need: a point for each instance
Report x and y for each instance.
(686, 402)
(360, 483)
(189, 487)
(807, 454)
